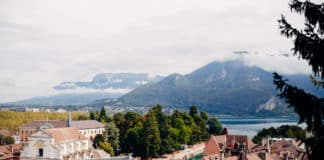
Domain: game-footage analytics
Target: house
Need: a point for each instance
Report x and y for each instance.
(10, 152)
(283, 148)
(57, 143)
(228, 147)
(89, 128)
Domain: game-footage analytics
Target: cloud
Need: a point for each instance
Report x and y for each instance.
(43, 43)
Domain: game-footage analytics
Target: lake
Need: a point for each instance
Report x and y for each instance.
(250, 127)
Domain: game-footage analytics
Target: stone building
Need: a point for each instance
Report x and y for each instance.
(89, 128)
(57, 143)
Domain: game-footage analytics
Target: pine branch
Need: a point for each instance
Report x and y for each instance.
(308, 45)
(305, 104)
(314, 13)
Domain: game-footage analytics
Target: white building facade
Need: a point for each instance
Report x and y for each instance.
(57, 143)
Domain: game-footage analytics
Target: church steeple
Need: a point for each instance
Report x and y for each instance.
(69, 121)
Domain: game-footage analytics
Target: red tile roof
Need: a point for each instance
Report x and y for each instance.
(7, 151)
(62, 135)
(212, 147)
(218, 143)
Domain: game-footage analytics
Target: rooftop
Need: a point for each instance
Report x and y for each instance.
(7, 151)
(87, 124)
(62, 135)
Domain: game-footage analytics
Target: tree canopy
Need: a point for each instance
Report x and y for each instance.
(284, 131)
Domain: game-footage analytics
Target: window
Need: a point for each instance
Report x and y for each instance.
(40, 152)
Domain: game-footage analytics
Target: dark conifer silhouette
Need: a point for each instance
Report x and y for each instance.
(308, 45)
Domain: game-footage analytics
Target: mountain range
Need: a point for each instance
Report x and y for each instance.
(230, 88)
(65, 99)
(110, 81)
(220, 87)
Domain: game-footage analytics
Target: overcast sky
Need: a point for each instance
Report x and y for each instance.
(43, 43)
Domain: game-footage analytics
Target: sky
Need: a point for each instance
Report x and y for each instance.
(44, 43)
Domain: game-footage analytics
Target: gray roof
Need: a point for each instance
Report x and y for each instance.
(87, 124)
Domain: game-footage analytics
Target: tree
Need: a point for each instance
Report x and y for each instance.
(151, 137)
(308, 45)
(106, 147)
(103, 115)
(97, 139)
(284, 131)
(193, 111)
(214, 126)
(204, 115)
(6, 140)
(94, 115)
(112, 135)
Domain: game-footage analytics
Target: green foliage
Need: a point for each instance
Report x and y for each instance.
(83, 117)
(204, 115)
(193, 111)
(93, 116)
(106, 147)
(150, 136)
(103, 115)
(6, 140)
(309, 46)
(112, 134)
(214, 126)
(284, 131)
(157, 133)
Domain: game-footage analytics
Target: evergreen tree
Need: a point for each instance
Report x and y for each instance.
(103, 115)
(308, 45)
(151, 137)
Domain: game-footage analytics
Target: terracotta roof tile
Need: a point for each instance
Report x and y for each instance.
(62, 135)
(253, 156)
(6, 150)
(212, 147)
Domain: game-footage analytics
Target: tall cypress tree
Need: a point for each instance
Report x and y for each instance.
(308, 45)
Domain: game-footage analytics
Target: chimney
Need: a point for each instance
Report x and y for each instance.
(225, 131)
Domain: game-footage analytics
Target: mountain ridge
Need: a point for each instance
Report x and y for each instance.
(229, 87)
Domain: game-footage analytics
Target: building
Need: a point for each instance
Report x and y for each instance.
(31, 127)
(228, 147)
(57, 143)
(280, 148)
(89, 128)
(10, 152)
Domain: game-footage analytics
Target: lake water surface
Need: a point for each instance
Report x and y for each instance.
(250, 127)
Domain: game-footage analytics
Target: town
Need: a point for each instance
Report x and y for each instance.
(100, 136)
(162, 80)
